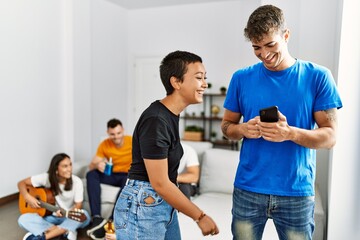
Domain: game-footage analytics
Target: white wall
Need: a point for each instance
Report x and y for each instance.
(34, 123)
(109, 82)
(214, 31)
(317, 43)
(344, 194)
(80, 30)
(100, 72)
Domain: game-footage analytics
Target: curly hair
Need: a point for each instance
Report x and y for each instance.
(264, 20)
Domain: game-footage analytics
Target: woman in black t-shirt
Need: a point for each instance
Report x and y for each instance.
(146, 207)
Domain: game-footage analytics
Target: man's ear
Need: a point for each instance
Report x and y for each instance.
(287, 35)
(175, 83)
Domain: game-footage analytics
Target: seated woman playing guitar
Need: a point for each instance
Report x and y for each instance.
(65, 215)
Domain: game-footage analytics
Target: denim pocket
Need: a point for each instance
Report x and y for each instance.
(122, 211)
(148, 197)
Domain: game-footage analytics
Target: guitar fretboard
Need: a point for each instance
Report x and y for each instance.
(52, 208)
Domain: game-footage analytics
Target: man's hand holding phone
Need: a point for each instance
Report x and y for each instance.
(273, 125)
(270, 114)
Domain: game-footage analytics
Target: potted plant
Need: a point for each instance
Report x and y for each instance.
(213, 136)
(193, 133)
(223, 90)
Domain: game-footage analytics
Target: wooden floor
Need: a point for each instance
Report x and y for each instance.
(9, 228)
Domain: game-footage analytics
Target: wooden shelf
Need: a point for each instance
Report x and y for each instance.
(205, 119)
(234, 145)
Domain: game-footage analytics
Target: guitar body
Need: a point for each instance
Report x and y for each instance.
(47, 203)
(42, 194)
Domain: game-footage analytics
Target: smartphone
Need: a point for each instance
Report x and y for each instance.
(269, 114)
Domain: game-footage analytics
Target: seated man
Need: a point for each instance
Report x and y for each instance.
(118, 148)
(189, 171)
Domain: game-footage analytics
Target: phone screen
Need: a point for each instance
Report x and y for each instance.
(269, 114)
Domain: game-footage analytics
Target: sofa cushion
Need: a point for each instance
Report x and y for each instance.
(218, 171)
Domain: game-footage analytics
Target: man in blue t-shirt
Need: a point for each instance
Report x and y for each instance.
(275, 177)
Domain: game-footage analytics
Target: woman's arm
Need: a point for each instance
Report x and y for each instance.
(158, 175)
(78, 205)
(22, 185)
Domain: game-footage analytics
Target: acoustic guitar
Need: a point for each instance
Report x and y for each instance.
(47, 203)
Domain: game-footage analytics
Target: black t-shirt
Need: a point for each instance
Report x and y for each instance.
(156, 136)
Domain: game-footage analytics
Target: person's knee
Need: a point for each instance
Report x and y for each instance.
(93, 174)
(21, 220)
(24, 218)
(243, 230)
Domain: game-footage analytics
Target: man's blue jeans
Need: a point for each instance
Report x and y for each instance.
(141, 214)
(293, 216)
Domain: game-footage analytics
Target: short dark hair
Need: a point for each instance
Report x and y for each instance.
(175, 65)
(264, 20)
(112, 123)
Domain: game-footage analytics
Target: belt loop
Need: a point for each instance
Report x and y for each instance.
(127, 181)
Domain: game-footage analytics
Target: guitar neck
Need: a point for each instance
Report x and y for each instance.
(52, 208)
(76, 214)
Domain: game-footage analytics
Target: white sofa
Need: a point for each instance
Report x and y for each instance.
(218, 167)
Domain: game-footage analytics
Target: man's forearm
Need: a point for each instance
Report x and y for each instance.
(187, 178)
(314, 139)
(232, 130)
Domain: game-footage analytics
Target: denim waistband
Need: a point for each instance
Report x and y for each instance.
(133, 182)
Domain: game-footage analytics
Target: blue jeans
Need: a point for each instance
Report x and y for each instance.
(34, 223)
(141, 214)
(293, 216)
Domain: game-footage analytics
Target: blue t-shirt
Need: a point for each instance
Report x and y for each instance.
(284, 168)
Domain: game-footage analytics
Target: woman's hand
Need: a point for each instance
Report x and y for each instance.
(58, 213)
(32, 201)
(207, 226)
